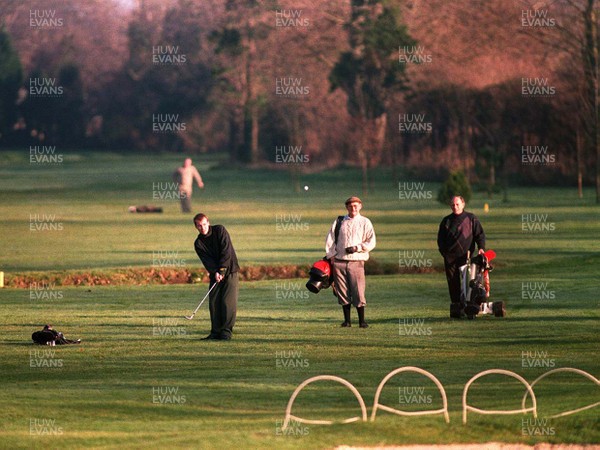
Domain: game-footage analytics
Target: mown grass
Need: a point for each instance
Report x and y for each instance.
(88, 195)
(236, 392)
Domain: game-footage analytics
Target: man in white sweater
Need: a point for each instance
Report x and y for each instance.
(185, 177)
(348, 244)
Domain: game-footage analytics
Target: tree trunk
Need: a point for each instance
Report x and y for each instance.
(379, 143)
(232, 138)
(591, 74)
(365, 173)
(295, 138)
(594, 34)
(463, 146)
(254, 155)
(504, 175)
(580, 165)
(596, 104)
(246, 114)
(492, 179)
(394, 151)
(362, 155)
(251, 127)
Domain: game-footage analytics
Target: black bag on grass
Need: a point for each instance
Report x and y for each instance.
(48, 336)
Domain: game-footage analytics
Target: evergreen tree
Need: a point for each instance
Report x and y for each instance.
(70, 119)
(455, 184)
(370, 72)
(11, 77)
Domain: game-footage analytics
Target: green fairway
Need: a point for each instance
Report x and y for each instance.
(143, 377)
(73, 216)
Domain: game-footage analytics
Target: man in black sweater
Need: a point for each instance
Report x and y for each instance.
(214, 248)
(457, 236)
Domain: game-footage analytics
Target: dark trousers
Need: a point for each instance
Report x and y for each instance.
(186, 202)
(222, 303)
(453, 277)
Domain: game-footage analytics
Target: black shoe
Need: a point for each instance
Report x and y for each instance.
(209, 337)
(225, 337)
(362, 323)
(457, 311)
(347, 320)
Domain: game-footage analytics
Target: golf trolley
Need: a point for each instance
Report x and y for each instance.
(475, 288)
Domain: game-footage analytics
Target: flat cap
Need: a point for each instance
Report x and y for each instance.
(353, 199)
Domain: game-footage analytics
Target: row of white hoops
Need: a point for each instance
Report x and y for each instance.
(444, 409)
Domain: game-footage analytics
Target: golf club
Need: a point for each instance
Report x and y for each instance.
(198, 307)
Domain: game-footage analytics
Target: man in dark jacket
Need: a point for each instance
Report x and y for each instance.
(457, 236)
(214, 248)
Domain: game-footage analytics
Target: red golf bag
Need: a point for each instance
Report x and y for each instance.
(319, 276)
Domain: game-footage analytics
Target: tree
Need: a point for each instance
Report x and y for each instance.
(70, 127)
(164, 77)
(455, 184)
(11, 75)
(181, 81)
(575, 38)
(590, 50)
(369, 72)
(245, 24)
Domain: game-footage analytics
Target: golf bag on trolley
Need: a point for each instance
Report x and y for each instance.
(475, 288)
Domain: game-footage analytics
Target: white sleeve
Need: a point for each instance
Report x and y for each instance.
(369, 240)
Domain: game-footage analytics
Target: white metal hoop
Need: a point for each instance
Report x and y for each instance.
(377, 405)
(288, 411)
(483, 411)
(565, 369)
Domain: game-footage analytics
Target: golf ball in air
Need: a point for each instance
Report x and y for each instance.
(306, 188)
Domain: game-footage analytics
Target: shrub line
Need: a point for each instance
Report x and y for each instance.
(155, 275)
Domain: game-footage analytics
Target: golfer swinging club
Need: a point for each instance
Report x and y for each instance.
(214, 248)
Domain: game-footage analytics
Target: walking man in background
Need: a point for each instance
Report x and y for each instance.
(347, 247)
(184, 176)
(457, 236)
(214, 248)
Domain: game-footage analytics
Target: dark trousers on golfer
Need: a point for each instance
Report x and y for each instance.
(453, 277)
(222, 303)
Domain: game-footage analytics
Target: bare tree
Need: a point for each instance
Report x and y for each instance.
(574, 36)
(244, 25)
